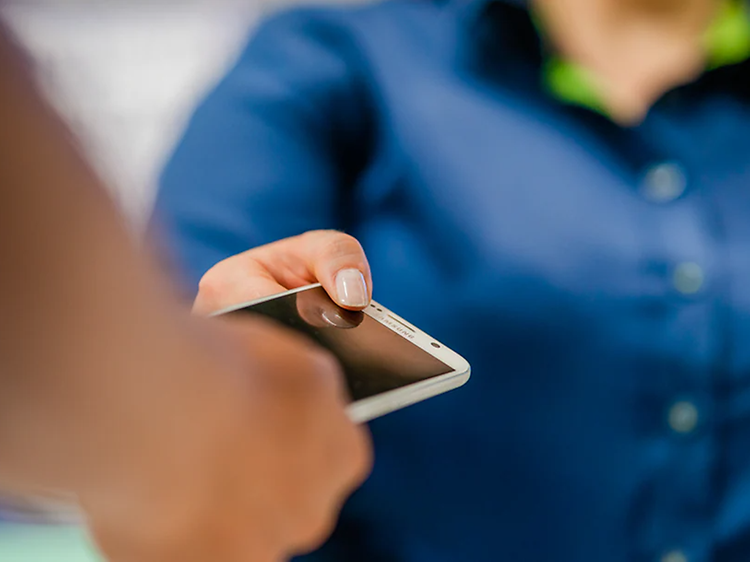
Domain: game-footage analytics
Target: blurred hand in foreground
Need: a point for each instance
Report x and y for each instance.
(252, 463)
(185, 440)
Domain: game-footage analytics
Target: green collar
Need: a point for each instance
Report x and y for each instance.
(727, 41)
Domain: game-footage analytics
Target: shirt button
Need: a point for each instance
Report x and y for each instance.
(683, 417)
(688, 278)
(674, 556)
(664, 183)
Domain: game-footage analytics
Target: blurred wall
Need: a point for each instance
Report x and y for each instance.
(127, 74)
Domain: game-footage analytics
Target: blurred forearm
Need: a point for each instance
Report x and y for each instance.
(80, 313)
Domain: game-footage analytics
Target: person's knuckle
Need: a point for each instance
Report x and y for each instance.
(333, 243)
(340, 244)
(356, 454)
(363, 456)
(309, 378)
(315, 528)
(328, 375)
(324, 361)
(312, 240)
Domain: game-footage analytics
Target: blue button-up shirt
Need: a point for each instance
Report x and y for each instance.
(596, 276)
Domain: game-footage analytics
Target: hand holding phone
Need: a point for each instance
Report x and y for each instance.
(388, 363)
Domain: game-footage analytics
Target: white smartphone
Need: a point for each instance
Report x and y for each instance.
(388, 363)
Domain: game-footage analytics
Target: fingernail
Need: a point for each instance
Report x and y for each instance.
(351, 289)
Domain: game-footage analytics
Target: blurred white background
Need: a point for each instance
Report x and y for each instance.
(126, 75)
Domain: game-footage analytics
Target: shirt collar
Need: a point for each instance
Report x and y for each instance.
(727, 42)
(501, 33)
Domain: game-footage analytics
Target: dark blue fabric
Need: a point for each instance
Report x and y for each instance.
(519, 231)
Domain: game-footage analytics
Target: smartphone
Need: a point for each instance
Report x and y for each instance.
(388, 363)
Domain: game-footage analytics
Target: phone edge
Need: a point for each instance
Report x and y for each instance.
(367, 409)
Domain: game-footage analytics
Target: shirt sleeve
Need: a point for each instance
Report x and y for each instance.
(272, 151)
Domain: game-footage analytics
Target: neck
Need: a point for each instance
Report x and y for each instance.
(637, 49)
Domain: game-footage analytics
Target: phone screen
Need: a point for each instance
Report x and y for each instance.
(375, 359)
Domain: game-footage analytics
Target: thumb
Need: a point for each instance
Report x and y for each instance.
(338, 262)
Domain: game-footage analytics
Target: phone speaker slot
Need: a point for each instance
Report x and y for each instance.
(404, 325)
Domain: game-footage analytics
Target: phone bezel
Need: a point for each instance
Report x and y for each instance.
(375, 406)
